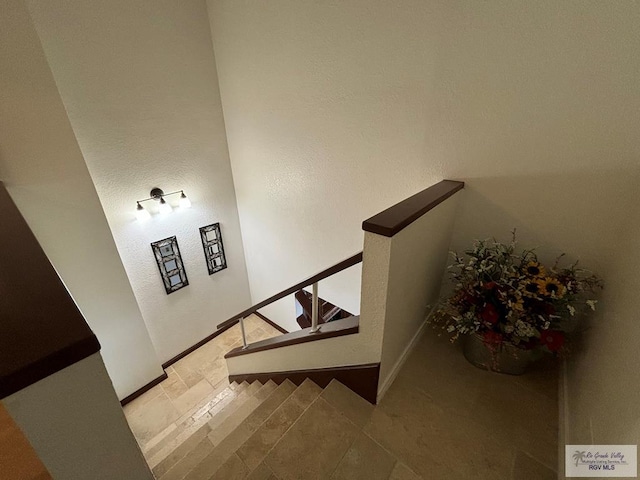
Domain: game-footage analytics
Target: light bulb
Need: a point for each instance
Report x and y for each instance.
(142, 213)
(164, 207)
(184, 201)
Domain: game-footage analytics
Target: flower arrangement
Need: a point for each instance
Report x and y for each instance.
(511, 298)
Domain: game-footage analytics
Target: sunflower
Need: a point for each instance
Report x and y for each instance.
(551, 287)
(530, 288)
(534, 269)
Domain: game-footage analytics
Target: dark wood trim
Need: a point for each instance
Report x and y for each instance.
(394, 219)
(144, 389)
(42, 331)
(271, 322)
(338, 267)
(173, 360)
(362, 379)
(337, 328)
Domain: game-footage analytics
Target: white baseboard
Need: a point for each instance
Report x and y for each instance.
(386, 383)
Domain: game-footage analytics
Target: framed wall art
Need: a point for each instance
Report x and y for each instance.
(213, 248)
(170, 264)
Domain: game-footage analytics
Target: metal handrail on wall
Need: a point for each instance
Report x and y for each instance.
(313, 280)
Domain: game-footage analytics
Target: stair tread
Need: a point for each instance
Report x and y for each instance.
(258, 445)
(184, 430)
(172, 445)
(224, 423)
(234, 440)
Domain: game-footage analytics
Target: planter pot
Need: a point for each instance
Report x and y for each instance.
(503, 358)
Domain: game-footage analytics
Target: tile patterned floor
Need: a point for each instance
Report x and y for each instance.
(441, 418)
(192, 383)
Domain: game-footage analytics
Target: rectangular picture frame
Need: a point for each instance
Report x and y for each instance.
(213, 248)
(169, 260)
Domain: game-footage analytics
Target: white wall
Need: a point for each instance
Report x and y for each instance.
(336, 110)
(603, 389)
(417, 260)
(74, 422)
(139, 83)
(45, 173)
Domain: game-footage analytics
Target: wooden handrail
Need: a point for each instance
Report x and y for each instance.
(338, 267)
(395, 218)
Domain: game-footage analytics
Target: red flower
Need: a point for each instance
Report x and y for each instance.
(490, 285)
(492, 338)
(490, 314)
(553, 339)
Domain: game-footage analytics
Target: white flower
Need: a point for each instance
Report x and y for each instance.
(592, 304)
(508, 329)
(571, 309)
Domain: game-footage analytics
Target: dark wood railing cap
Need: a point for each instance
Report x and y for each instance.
(41, 329)
(395, 218)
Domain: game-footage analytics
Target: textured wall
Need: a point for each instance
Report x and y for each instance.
(45, 173)
(336, 110)
(139, 83)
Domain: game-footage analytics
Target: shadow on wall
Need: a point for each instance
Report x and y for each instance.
(581, 214)
(603, 401)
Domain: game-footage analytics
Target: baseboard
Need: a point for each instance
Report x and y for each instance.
(144, 389)
(362, 379)
(386, 383)
(271, 322)
(189, 350)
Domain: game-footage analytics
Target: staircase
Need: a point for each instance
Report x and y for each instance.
(269, 431)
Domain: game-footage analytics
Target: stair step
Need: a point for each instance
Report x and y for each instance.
(171, 442)
(255, 449)
(227, 447)
(223, 425)
(321, 436)
(195, 448)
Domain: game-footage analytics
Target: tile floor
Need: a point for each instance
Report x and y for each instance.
(441, 418)
(193, 383)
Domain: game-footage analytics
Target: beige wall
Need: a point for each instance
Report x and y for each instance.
(603, 387)
(139, 83)
(417, 261)
(46, 175)
(75, 424)
(335, 111)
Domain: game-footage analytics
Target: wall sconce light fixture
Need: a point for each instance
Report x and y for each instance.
(158, 195)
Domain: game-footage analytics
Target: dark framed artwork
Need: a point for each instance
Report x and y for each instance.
(213, 248)
(170, 264)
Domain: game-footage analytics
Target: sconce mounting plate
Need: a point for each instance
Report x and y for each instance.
(156, 193)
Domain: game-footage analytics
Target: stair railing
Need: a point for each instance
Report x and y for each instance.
(313, 280)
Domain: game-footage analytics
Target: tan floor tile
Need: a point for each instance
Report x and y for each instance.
(152, 418)
(158, 439)
(314, 445)
(192, 460)
(526, 468)
(350, 404)
(181, 451)
(193, 396)
(232, 469)
(518, 416)
(402, 472)
(365, 460)
(262, 472)
(430, 440)
(266, 390)
(173, 385)
(258, 445)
